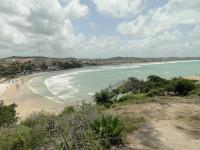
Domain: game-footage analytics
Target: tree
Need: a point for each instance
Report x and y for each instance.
(7, 114)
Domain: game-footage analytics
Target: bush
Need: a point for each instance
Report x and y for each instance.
(15, 138)
(183, 87)
(38, 118)
(156, 79)
(38, 123)
(68, 130)
(108, 128)
(7, 114)
(156, 92)
(133, 85)
(103, 97)
(68, 110)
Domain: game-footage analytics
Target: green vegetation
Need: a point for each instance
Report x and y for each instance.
(16, 138)
(108, 128)
(15, 69)
(85, 127)
(104, 97)
(183, 87)
(7, 114)
(139, 90)
(89, 127)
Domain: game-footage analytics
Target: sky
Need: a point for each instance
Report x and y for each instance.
(100, 28)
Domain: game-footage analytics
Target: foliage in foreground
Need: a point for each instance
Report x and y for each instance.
(7, 114)
(15, 138)
(108, 127)
(74, 129)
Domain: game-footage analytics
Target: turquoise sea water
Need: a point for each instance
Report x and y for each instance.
(72, 86)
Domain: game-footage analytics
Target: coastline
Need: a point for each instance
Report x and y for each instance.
(27, 102)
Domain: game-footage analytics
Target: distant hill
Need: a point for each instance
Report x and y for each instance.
(85, 62)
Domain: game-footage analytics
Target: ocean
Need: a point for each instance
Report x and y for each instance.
(77, 85)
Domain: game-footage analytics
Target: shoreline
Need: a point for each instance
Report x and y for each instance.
(28, 102)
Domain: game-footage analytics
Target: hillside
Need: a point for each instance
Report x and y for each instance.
(85, 62)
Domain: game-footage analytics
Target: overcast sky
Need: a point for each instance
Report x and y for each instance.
(100, 28)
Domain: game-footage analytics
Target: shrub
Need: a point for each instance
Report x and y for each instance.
(38, 123)
(108, 128)
(183, 87)
(68, 110)
(104, 96)
(38, 118)
(133, 85)
(17, 138)
(7, 114)
(73, 130)
(156, 92)
(156, 79)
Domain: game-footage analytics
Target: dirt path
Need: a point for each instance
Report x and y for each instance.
(168, 127)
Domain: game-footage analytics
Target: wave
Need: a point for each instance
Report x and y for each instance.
(91, 93)
(62, 85)
(169, 62)
(41, 91)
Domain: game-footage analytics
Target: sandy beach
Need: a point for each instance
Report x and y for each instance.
(3, 86)
(194, 78)
(27, 101)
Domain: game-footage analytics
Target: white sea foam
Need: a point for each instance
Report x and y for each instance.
(168, 62)
(62, 85)
(90, 93)
(41, 91)
(118, 67)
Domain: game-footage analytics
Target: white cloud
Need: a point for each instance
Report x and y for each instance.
(119, 8)
(175, 12)
(26, 25)
(75, 9)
